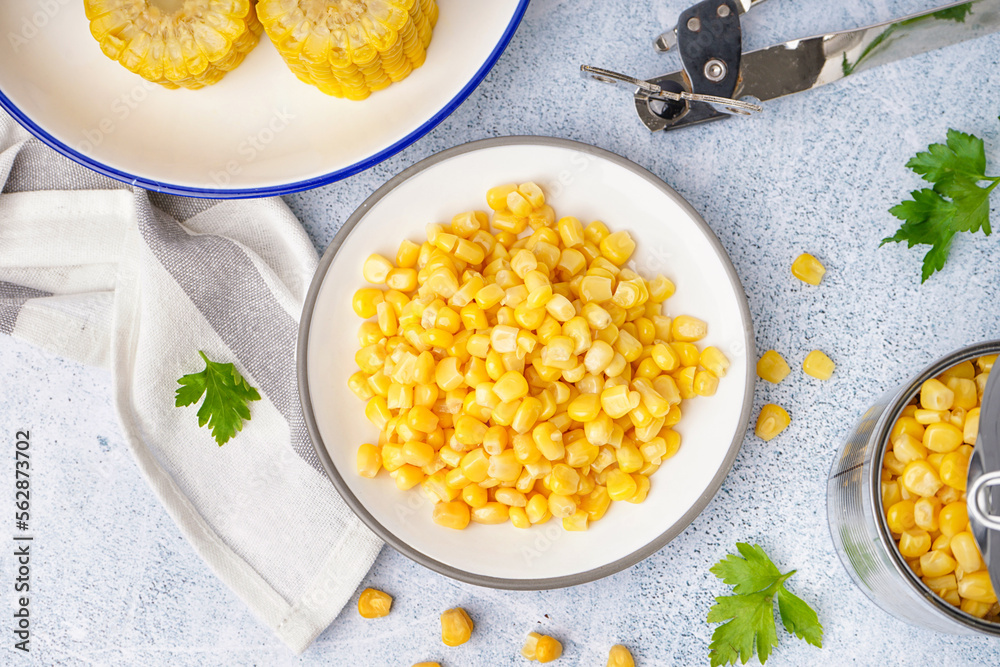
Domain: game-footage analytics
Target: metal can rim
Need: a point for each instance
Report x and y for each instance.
(880, 433)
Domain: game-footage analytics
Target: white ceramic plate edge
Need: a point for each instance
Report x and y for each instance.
(511, 583)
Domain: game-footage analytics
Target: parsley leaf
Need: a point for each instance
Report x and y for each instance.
(752, 573)
(956, 203)
(226, 397)
(799, 618)
(748, 617)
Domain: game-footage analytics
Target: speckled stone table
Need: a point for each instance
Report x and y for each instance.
(116, 584)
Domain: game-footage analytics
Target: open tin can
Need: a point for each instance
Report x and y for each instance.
(858, 525)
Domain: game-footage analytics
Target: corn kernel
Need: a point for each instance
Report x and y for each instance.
(374, 603)
(966, 394)
(510, 387)
(549, 441)
(620, 485)
(914, 543)
(954, 470)
(408, 476)
(563, 480)
(504, 467)
(907, 448)
(977, 586)
(559, 307)
(456, 627)
(772, 367)
(618, 401)
(773, 419)
(376, 268)
(818, 365)
(925, 511)
(365, 301)
(406, 256)
(369, 460)
(491, 513)
(713, 360)
(942, 437)
(418, 453)
(511, 497)
(619, 656)
(705, 383)
(934, 395)
(688, 329)
(537, 509)
(920, 478)
(953, 519)
(617, 247)
(541, 648)
(966, 553)
(808, 269)
(584, 407)
(358, 384)
(561, 506)
(936, 564)
(900, 517)
(496, 197)
(377, 412)
(401, 279)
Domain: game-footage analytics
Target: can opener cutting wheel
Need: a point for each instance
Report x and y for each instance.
(720, 80)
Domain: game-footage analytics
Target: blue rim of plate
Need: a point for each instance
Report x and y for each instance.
(289, 188)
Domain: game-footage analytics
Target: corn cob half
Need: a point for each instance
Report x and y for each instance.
(350, 48)
(175, 43)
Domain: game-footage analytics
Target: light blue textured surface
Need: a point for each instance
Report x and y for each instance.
(115, 583)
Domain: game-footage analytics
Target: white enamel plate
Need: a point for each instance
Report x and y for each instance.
(260, 131)
(590, 184)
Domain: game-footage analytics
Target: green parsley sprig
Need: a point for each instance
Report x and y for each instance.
(227, 395)
(748, 616)
(955, 203)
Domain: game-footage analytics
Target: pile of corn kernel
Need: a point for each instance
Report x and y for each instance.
(523, 373)
(923, 487)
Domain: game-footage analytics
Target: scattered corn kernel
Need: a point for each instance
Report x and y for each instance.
(773, 419)
(818, 365)
(456, 627)
(374, 603)
(619, 656)
(772, 367)
(541, 648)
(808, 269)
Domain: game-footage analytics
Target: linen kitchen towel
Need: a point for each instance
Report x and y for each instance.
(106, 274)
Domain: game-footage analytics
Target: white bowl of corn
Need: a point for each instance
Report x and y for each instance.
(97, 80)
(526, 363)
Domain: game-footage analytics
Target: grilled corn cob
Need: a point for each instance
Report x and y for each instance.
(350, 48)
(190, 44)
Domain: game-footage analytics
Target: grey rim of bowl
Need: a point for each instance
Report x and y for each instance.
(496, 582)
(881, 431)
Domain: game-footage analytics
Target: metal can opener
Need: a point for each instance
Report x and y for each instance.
(719, 80)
